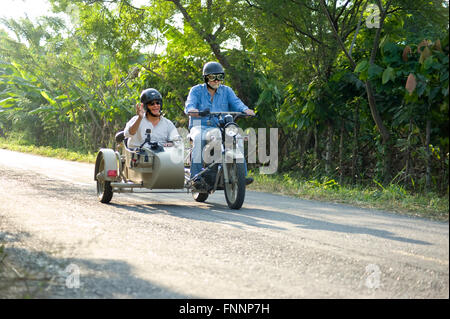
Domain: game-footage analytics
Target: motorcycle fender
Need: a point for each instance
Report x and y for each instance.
(110, 171)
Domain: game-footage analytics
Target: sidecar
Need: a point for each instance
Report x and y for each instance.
(152, 166)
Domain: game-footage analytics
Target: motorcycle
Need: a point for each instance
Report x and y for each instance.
(226, 168)
(166, 167)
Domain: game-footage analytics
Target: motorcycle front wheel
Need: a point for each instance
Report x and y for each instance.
(235, 188)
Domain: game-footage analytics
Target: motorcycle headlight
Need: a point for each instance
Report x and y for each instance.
(228, 118)
(232, 130)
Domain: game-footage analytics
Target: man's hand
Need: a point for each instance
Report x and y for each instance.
(194, 113)
(249, 112)
(141, 113)
(140, 110)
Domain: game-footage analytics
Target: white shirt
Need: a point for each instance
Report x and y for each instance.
(163, 132)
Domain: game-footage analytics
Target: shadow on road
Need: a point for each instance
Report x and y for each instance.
(278, 219)
(44, 276)
(261, 218)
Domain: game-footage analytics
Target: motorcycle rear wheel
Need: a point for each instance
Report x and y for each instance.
(200, 197)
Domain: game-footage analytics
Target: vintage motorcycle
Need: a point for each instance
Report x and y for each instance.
(155, 166)
(225, 169)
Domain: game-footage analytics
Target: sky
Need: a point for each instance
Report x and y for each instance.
(20, 8)
(35, 8)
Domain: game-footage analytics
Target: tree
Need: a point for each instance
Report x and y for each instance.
(312, 68)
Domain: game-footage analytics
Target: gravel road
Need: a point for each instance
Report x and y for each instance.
(56, 234)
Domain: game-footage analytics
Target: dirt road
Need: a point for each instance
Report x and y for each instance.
(169, 246)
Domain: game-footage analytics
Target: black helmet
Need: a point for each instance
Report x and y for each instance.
(149, 95)
(212, 68)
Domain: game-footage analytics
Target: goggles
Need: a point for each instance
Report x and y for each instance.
(151, 103)
(213, 77)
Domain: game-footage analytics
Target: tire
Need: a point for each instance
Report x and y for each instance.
(104, 189)
(235, 189)
(200, 197)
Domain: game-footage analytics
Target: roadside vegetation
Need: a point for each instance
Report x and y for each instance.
(16, 142)
(391, 198)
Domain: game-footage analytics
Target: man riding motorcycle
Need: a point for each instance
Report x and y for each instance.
(216, 97)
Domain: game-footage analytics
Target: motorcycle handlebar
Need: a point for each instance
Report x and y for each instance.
(208, 112)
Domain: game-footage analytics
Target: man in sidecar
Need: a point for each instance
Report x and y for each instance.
(155, 167)
(216, 97)
(149, 117)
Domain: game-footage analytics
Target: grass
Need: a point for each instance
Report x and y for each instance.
(393, 198)
(61, 153)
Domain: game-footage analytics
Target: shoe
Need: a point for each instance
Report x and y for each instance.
(248, 180)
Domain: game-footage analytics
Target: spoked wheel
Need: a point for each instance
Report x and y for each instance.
(235, 188)
(104, 189)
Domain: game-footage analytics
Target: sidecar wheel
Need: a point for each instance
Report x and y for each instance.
(235, 190)
(200, 197)
(104, 191)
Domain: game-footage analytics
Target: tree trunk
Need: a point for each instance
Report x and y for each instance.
(328, 148)
(444, 174)
(370, 96)
(306, 143)
(428, 155)
(316, 145)
(355, 156)
(385, 135)
(408, 155)
(341, 152)
(301, 148)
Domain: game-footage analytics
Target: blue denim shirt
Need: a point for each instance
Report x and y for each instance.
(224, 100)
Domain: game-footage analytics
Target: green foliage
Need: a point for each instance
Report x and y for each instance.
(75, 86)
(393, 197)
